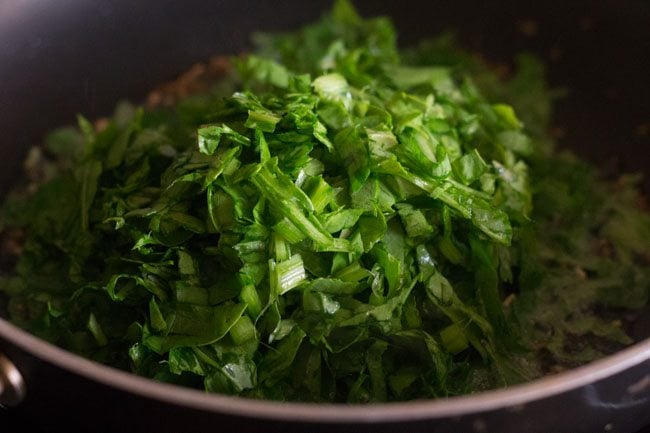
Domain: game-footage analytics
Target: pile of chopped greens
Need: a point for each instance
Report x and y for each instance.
(335, 221)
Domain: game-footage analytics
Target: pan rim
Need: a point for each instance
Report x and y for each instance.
(513, 397)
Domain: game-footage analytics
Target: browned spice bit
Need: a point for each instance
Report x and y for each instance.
(557, 132)
(13, 242)
(12, 247)
(620, 184)
(101, 124)
(528, 27)
(507, 302)
(580, 273)
(557, 369)
(502, 71)
(219, 65)
(197, 79)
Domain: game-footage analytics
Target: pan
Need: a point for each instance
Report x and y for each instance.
(57, 59)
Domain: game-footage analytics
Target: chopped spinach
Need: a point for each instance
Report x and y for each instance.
(339, 221)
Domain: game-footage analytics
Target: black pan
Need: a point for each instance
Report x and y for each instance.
(60, 58)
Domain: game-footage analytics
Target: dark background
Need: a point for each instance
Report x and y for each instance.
(58, 58)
